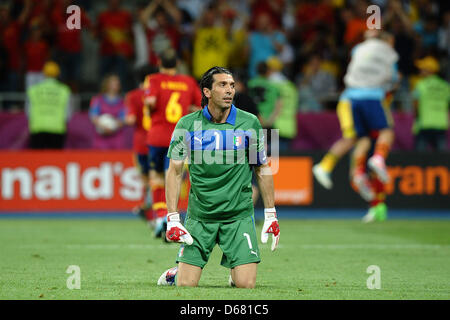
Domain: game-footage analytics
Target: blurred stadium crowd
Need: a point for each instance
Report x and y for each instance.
(311, 41)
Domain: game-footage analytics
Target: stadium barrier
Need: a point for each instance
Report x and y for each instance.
(316, 131)
(71, 180)
(108, 181)
(419, 180)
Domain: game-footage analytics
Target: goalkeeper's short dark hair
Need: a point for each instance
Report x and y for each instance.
(169, 58)
(207, 80)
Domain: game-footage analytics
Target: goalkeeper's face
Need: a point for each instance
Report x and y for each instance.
(222, 91)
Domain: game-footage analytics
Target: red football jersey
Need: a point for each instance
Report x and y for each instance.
(116, 30)
(174, 95)
(134, 102)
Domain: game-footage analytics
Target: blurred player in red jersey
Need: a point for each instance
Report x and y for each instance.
(169, 96)
(138, 115)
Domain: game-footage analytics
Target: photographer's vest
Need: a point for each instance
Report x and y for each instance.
(48, 107)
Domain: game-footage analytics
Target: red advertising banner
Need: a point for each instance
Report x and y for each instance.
(71, 180)
(108, 180)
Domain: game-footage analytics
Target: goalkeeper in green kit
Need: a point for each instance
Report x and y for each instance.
(221, 144)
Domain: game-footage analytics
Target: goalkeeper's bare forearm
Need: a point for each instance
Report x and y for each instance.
(173, 184)
(265, 182)
(271, 226)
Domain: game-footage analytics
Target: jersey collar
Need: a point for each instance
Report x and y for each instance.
(231, 119)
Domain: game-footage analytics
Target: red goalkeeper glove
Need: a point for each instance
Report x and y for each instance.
(270, 226)
(175, 230)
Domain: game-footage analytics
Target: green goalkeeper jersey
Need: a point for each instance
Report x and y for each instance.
(220, 159)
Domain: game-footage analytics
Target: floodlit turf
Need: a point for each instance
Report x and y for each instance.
(317, 259)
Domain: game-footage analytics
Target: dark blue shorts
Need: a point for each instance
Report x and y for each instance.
(369, 116)
(158, 159)
(143, 163)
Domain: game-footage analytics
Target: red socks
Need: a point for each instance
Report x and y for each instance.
(382, 150)
(378, 187)
(159, 202)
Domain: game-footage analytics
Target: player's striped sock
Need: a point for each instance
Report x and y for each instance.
(328, 162)
(378, 188)
(159, 201)
(382, 150)
(360, 164)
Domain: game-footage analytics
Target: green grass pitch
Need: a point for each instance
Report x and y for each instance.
(317, 259)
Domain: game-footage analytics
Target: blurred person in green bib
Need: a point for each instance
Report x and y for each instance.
(431, 97)
(48, 110)
(286, 121)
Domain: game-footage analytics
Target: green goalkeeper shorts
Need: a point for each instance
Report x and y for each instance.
(236, 239)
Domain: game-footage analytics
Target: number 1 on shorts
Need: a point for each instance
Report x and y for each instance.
(249, 241)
